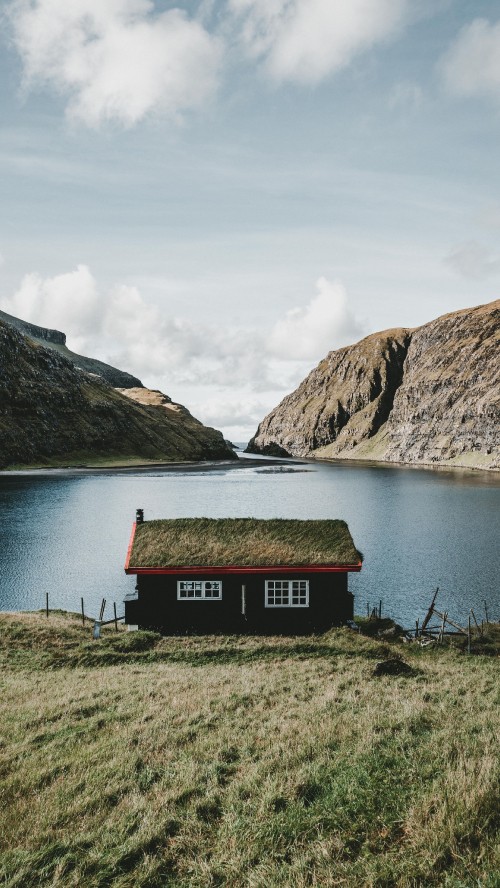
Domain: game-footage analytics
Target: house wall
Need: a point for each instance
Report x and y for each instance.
(157, 607)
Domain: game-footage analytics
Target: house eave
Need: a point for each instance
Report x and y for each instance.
(243, 569)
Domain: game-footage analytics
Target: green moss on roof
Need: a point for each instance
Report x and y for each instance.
(226, 542)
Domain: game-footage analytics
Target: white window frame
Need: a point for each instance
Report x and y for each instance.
(287, 590)
(201, 587)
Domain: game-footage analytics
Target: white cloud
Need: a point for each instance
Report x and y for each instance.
(120, 327)
(243, 412)
(473, 261)
(64, 302)
(325, 323)
(471, 67)
(115, 59)
(307, 40)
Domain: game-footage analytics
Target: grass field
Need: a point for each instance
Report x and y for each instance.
(232, 761)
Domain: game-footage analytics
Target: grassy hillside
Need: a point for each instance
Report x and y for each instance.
(140, 761)
(51, 413)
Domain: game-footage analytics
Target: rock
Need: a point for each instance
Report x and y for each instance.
(393, 666)
(428, 395)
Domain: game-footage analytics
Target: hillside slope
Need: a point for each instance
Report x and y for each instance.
(136, 761)
(52, 412)
(428, 395)
(56, 340)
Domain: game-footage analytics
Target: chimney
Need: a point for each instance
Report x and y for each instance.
(139, 516)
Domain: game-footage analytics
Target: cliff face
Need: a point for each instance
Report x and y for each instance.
(56, 340)
(51, 411)
(429, 395)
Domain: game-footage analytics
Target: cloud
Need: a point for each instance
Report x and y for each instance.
(64, 302)
(119, 326)
(473, 261)
(115, 59)
(121, 60)
(471, 67)
(325, 323)
(242, 412)
(307, 40)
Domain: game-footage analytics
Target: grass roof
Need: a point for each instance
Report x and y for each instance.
(226, 542)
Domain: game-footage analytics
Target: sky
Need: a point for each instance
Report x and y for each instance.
(213, 194)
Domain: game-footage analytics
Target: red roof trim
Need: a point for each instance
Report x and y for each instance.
(129, 550)
(212, 571)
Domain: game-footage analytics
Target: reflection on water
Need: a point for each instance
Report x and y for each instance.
(66, 533)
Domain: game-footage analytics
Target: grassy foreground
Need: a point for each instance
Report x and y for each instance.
(136, 761)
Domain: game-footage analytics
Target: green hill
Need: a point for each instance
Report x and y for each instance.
(54, 413)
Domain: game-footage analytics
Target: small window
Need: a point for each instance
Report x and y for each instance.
(287, 593)
(199, 590)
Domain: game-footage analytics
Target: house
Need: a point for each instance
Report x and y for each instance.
(237, 575)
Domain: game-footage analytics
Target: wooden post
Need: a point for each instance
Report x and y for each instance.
(380, 609)
(429, 612)
(486, 611)
(368, 609)
(47, 604)
(468, 637)
(103, 605)
(116, 619)
(482, 627)
(474, 618)
(416, 628)
(451, 622)
(83, 614)
(443, 622)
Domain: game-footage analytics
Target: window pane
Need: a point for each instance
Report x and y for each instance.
(287, 593)
(199, 589)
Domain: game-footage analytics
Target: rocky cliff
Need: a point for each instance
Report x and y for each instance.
(52, 412)
(56, 340)
(430, 395)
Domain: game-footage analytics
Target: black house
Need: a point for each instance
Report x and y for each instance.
(238, 575)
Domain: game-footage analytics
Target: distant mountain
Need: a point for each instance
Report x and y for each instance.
(59, 408)
(430, 395)
(56, 340)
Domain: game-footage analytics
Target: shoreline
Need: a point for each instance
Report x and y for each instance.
(246, 460)
(383, 464)
(131, 467)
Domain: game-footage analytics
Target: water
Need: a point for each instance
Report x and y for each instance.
(66, 533)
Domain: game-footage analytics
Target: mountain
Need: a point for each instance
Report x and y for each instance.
(56, 340)
(429, 395)
(59, 408)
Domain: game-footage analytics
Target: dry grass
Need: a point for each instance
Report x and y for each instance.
(242, 541)
(242, 762)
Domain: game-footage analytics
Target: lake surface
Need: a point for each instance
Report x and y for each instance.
(66, 532)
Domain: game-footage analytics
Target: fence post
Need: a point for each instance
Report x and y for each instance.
(116, 621)
(83, 614)
(47, 604)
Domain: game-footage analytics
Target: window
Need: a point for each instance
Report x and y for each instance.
(287, 593)
(199, 590)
